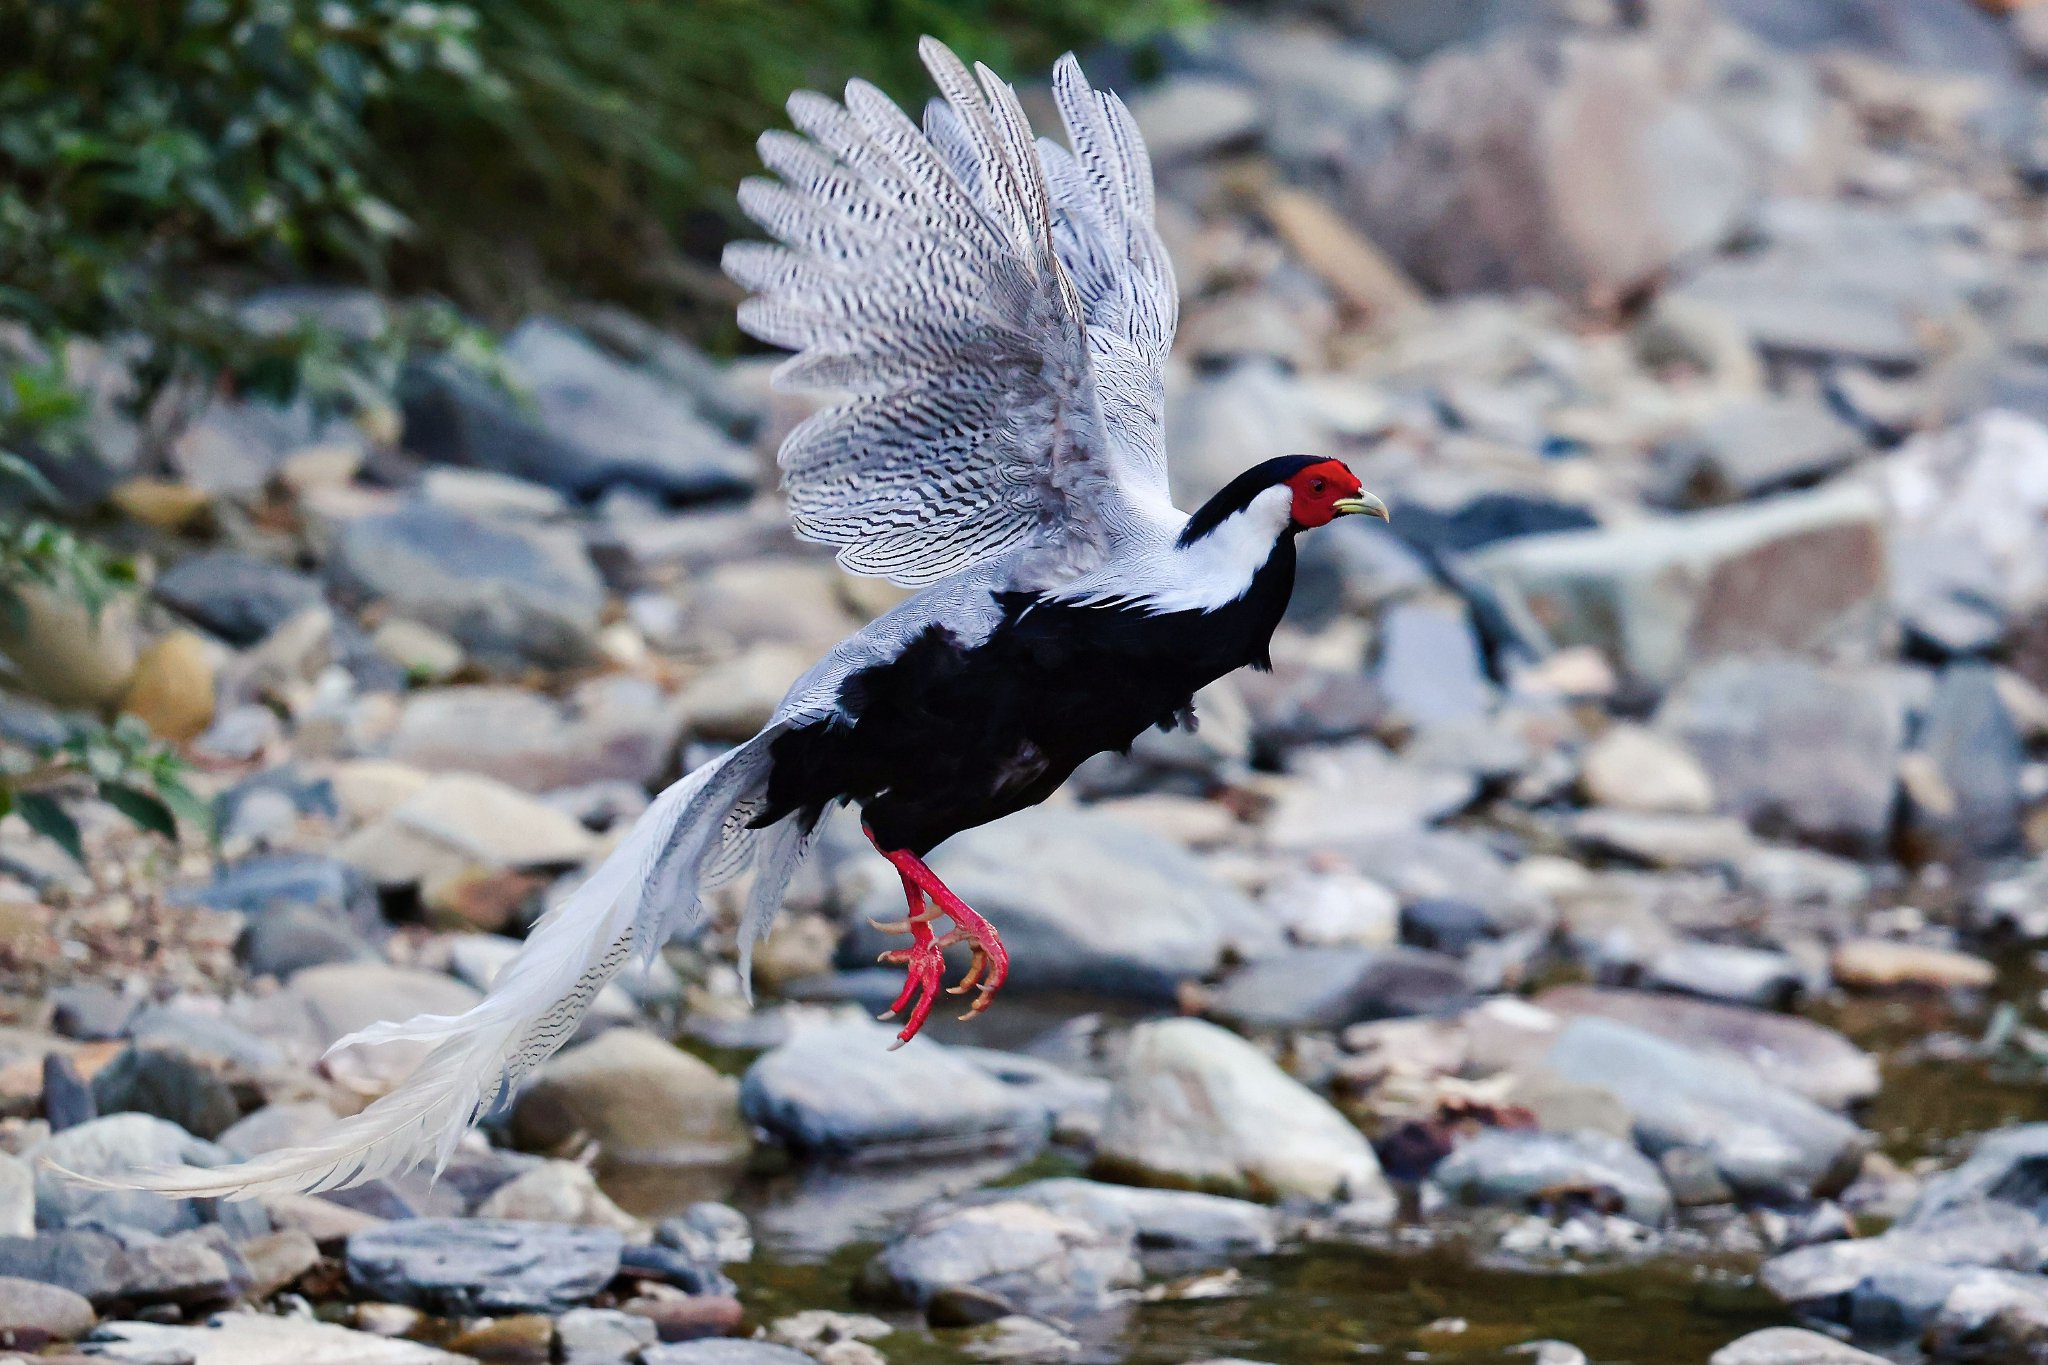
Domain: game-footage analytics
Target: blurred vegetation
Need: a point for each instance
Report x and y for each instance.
(161, 161)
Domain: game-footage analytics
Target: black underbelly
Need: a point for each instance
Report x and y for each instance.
(946, 737)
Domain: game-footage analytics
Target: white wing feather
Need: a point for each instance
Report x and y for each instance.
(996, 310)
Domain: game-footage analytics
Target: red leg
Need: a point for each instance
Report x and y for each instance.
(925, 960)
(991, 966)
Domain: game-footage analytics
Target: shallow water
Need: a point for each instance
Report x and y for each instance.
(1331, 1302)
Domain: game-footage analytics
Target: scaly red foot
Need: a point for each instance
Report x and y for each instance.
(924, 959)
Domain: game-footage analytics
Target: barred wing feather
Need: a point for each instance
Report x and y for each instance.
(995, 310)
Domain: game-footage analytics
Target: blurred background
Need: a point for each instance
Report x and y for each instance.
(1610, 931)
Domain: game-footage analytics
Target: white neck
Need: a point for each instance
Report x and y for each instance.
(1212, 572)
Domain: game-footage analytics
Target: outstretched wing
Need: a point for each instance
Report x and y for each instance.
(996, 310)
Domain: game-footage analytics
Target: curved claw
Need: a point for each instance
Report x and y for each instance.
(904, 926)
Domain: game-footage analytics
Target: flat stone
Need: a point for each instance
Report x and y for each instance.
(1331, 987)
(1765, 1141)
(621, 729)
(1756, 447)
(456, 1267)
(1791, 1346)
(1524, 1169)
(33, 1314)
(1198, 1107)
(1794, 747)
(1194, 115)
(509, 592)
(1343, 796)
(644, 1101)
(260, 1339)
(172, 1086)
(1161, 1220)
(1804, 1057)
(1804, 573)
(1762, 977)
(1335, 908)
(236, 596)
(723, 1353)
(460, 822)
(1878, 964)
(838, 1089)
(111, 1147)
(1634, 768)
(1021, 1253)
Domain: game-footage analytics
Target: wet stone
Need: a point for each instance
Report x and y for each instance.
(483, 1266)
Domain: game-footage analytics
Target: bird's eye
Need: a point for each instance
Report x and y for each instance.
(1315, 486)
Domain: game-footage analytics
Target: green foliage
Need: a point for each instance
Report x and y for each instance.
(42, 554)
(623, 126)
(122, 763)
(154, 153)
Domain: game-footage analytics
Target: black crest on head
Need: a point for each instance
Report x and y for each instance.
(1236, 495)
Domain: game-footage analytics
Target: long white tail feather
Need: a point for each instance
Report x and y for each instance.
(685, 844)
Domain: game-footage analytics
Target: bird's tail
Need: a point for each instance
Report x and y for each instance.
(694, 837)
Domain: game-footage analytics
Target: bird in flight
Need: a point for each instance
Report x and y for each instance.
(994, 313)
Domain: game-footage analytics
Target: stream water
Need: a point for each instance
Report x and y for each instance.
(1422, 1296)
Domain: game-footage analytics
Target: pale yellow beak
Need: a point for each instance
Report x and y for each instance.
(1365, 504)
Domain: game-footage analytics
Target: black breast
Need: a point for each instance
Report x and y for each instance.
(947, 736)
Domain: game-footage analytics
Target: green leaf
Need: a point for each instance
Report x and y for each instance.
(145, 810)
(51, 820)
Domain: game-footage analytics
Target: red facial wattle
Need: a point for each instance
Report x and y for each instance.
(1317, 490)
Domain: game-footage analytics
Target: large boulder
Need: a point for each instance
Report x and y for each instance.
(1196, 1106)
(1803, 574)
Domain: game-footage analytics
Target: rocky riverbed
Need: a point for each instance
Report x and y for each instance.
(1611, 931)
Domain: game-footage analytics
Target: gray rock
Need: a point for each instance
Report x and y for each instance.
(1330, 987)
(292, 938)
(1925, 35)
(1903, 1267)
(1042, 877)
(510, 593)
(831, 1205)
(1837, 279)
(1187, 116)
(172, 1086)
(259, 1339)
(1451, 865)
(601, 1336)
(325, 886)
(33, 1314)
(83, 1262)
(838, 1089)
(1992, 1315)
(600, 424)
(1766, 1141)
(1805, 1058)
(2010, 1166)
(17, 1198)
(236, 596)
(112, 1147)
(91, 1011)
(1791, 1346)
(1323, 95)
(1430, 670)
(201, 1266)
(642, 1100)
(612, 729)
(234, 447)
(1977, 750)
(1199, 1107)
(1520, 1168)
(1804, 573)
(1354, 793)
(455, 1266)
(1762, 977)
(1502, 146)
(199, 1034)
(1029, 1256)
(1755, 447)
(1161, 1220)
(1970, 522)
(723, 1353)
(1796, 748)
